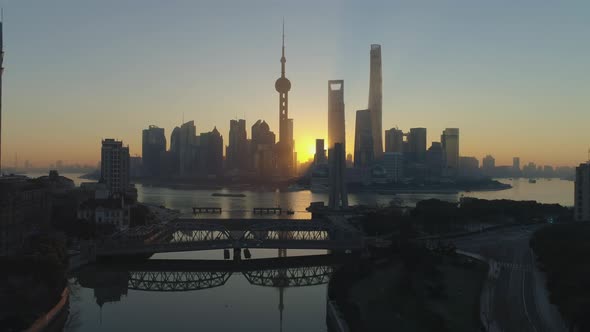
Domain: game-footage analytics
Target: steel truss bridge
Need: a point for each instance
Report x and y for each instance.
(162, 276)
(182, 281)
(197, 235)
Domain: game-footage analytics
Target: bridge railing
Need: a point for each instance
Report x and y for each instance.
(183, 236)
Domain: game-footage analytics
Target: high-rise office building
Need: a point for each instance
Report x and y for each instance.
(450, 145)
(285, 145)
(338, 196)
(210, 153)
(320, 153)
(262, 148)
(417, 144)
(153, 146)
(363, 140)
(393, 163)
(434, 159)
(469, 167)
(336, 129)
(394, 140)
(114, 166)
(488, 165)
(349, 162)
(376, 99)
(237, 148)
(516, 165)
(187, 143)
(175, 140)
(582, 193)
(261, 134)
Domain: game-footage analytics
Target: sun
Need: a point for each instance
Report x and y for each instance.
(305, 149)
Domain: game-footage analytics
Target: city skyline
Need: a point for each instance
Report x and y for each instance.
(90, 77)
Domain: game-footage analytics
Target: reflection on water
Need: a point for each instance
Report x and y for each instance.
(230, 300)
(266, 294)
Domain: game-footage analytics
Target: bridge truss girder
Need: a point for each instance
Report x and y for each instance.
(174, 281)
(290, 277)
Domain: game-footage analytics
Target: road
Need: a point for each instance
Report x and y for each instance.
(514, 297)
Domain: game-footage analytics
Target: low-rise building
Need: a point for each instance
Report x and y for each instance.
(111, 211)
(25, 209)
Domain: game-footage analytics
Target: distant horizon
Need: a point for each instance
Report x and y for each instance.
(512, 77)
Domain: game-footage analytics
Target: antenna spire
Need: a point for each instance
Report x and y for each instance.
(283, 59)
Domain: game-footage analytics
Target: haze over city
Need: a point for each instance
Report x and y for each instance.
(512, 77)
(293, 166)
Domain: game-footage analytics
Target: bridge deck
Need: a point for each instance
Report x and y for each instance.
(207, 234)
(237, 224)
(190, 265)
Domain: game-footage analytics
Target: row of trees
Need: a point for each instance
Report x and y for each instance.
(434, 216)
(31, 283)
(563, 252)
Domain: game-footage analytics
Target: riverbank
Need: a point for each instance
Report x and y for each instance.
(55, 318)
(439, 188)
(31, 288)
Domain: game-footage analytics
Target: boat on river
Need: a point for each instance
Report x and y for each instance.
(227, 195)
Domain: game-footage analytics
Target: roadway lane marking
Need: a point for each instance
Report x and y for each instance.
(526, 312)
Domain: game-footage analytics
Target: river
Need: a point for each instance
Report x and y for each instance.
(237, 303)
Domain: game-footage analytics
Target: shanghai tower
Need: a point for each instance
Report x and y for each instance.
(375, 99)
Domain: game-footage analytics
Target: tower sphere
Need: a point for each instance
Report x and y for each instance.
(283, 85)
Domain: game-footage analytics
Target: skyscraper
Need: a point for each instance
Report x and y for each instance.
(285, 144)
(187, 142)
(153, 145)
(417, 144)
(394, 140)
(582, 193)
(393, 163)
(363, 139)
(376, 99)
(516, 166)
(450, 145)
(210, 153)
(469, 167)
(488, 165)
(338, 197)
(114, 166)
(336, 131)
(434, 159)
(320, 152)
(262, 143)
(237, 148)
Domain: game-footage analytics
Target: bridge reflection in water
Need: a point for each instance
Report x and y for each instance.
(190, 275)
(111, 281)
(175, 281)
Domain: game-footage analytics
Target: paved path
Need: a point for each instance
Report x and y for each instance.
(514, 297)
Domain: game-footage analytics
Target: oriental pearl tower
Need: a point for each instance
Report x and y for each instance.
(285, 144)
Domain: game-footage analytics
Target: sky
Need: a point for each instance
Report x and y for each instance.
(514, 76)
